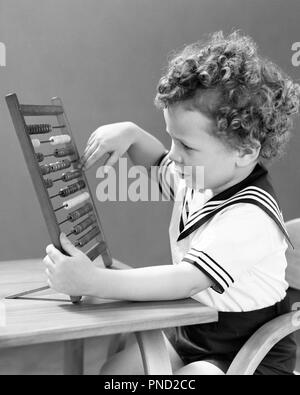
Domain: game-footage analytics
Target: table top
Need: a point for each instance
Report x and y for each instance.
(49, 317)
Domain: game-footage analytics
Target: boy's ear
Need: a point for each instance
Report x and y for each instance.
(247, 156)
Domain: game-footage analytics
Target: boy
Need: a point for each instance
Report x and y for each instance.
(226, 110)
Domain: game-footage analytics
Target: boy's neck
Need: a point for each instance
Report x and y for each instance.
(240, 176)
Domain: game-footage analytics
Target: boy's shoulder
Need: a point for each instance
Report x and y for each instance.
(241, 230)
(242, 218)
(248, 218)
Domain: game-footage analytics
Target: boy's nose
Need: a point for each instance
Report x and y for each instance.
(175, 156)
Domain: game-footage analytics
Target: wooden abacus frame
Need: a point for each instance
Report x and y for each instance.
(18, 113)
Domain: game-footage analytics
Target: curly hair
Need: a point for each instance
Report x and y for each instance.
(254, 99)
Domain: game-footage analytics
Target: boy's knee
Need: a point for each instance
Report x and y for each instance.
(110, 367)
(200, 368)
(126, 362)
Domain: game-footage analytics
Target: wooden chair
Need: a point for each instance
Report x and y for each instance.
(257, 347)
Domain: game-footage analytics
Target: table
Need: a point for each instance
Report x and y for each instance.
(48, 317)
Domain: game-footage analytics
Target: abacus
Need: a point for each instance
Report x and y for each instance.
(67, 208)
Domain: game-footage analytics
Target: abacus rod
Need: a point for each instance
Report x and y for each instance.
(62, 179)
(50, 155)
(51, 141)
(63, 222)
(58, 209)
(57, 179)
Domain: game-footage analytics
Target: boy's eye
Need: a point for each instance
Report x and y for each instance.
(186, 147)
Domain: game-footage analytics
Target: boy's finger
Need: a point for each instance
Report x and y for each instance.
(91, 139)
(89, 144)
(68, 247)
(49, 282)
(89, 152)
(111, 161)
(90, 148)
(53, 253)
(94, 157)
(50, 266)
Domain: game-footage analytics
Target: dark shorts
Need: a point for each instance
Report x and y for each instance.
(219, 342)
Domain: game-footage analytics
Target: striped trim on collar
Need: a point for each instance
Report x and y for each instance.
(259, 192)
(184, 211)
(165, 179)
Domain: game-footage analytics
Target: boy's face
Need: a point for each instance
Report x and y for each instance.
(194, 145)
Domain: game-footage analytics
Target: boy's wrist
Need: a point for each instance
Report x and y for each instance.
(95, 284)
(132, 131)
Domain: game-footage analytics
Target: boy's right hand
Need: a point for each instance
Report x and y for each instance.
(113, 139)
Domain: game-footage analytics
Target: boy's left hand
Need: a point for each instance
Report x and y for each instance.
(72, 275)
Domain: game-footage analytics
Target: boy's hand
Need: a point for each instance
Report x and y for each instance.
(72, 275)
(114, 140)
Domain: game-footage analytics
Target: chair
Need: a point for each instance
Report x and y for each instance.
(257, 347)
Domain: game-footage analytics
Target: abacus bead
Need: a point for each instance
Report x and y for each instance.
(71, 175)
(72, 188)
(79, 228)
(61, 152)
(53, 167)
(40, 157)
(60, 139)
(88, 237)
(39, 129)
(45, 169)
(36, 143)
(48, 183)
(76, 201)
(75, 215)
(60, 165)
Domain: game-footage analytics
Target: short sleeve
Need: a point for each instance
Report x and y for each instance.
(232, 243)
(166, 177)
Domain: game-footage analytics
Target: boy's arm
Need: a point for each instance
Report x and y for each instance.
(153, 283)
(145, 149)
(75, 274)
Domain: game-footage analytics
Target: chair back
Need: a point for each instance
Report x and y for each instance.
(293, 273)
(293, 255)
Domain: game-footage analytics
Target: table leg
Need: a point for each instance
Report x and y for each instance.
(74, 357)
(154, 352)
